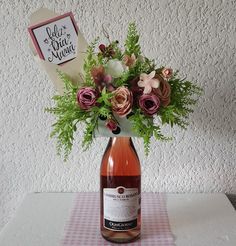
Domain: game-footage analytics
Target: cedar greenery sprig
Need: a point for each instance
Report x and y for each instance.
(132, 41)
(68, 115)
(91, 125)
(142, 65)
(104, 109)
(89, 62)
(144, 127)
(182, 101)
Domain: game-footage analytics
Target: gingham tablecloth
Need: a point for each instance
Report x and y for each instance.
(155, 228)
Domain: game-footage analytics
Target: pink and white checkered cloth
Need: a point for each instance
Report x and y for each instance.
(80, 231)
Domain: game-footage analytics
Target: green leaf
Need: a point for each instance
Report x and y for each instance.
(131, 44)
(144, 127)
(91, 125)
(90, 62)
(181, 103)
(105, 97)
(68, 114)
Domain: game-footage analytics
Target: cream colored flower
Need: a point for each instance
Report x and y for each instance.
(114, 68)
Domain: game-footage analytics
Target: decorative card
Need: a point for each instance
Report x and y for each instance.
(55, 39)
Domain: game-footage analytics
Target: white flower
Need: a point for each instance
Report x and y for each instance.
(114, 68)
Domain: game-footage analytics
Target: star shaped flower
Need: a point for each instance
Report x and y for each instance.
(148, 82)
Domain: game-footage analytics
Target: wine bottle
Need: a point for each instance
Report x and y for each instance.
(120, 191)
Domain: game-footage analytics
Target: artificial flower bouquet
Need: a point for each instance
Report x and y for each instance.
(117, 84)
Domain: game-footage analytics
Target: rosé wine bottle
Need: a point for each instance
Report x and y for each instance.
(120, 191)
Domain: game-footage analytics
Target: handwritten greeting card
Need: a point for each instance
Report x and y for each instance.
(56, 39)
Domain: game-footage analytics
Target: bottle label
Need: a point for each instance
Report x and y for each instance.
(121, 207)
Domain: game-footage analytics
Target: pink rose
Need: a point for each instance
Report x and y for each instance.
(167, 72)
(149, 104)
(122, 101)
(163, 92)
(87, 97)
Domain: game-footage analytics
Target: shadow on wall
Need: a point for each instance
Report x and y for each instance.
(216, 120)
(232, 198)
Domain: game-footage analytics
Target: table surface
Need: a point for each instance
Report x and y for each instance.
(195, 220)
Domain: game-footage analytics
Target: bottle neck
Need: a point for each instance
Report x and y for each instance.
(120, 158)
(121, 141)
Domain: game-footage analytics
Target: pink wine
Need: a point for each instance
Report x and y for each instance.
(120, 188)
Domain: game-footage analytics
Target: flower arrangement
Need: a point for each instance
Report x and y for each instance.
(121, 83)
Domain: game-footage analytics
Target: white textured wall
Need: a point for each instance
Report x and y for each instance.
(197, 37)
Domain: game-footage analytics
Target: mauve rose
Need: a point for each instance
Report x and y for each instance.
(122, 101)
(149, 104)
(137, 91)
(87, 97)
(163, 92)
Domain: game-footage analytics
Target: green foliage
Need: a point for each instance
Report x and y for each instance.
(68, 115)
(142, 65)
(123, 80)
(182, 93)
(105, 97)
(131, 43)
(104, 108)
(89, 62)
(69, 86)
(144, 127)
(91, 125)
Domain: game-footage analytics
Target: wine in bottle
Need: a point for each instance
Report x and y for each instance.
(120, 191)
